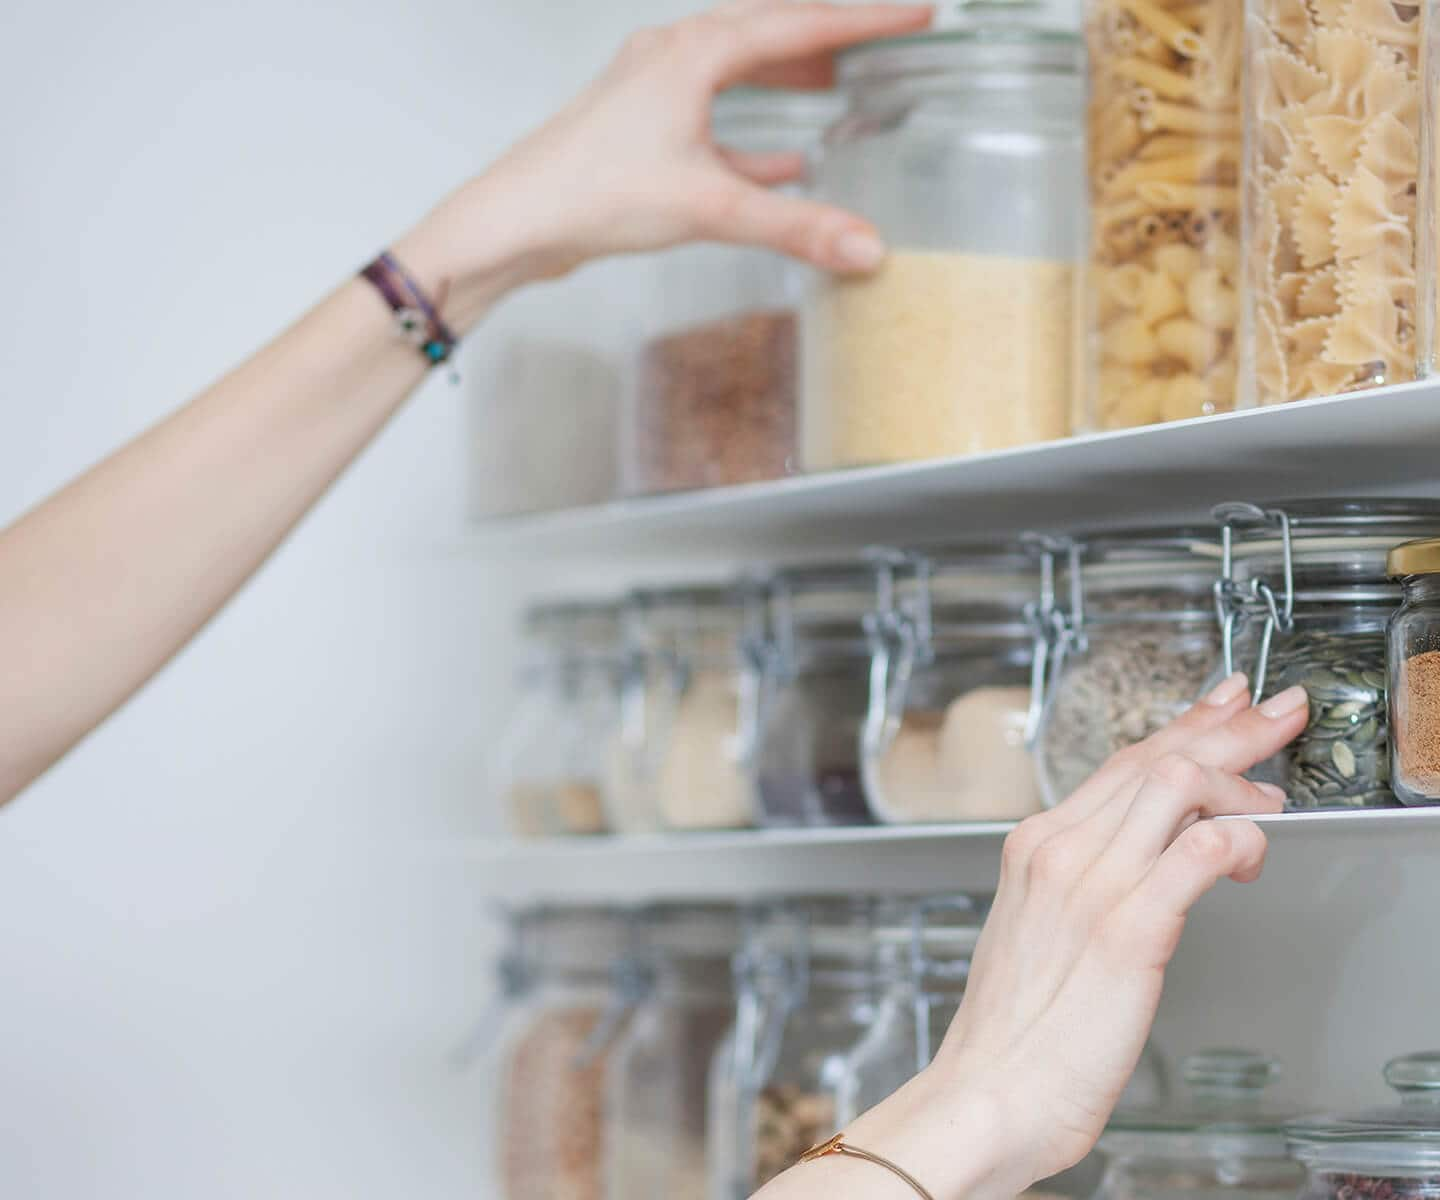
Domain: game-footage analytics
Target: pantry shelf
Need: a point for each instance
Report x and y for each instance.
(1381, 442)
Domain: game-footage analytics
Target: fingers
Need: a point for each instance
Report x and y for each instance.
(1254, 734)
(817, 233)
(768, 169)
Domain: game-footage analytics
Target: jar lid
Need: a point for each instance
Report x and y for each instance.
(986, 37)
(971, 583)
(1161, 574)
(1220, 1113)
(825, 938)
(567, 942)
(823, 598)
(1420, 557)
(807, 109)
(1397, 1139)
(690, 929)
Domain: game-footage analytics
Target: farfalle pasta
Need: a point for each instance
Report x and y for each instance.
(1165, 150)
(1331, 195)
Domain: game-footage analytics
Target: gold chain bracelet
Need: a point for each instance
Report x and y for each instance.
(837, 1145)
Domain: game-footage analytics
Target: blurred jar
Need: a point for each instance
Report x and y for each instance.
(922, 359)
(713, 401)
(659, 1080)
(950, 696)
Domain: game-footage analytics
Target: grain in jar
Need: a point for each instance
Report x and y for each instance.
(1414, 660)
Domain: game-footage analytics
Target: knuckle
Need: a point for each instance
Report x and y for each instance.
(1176, 771)
(1020, 843)
(1207, 844)
(1053, 861)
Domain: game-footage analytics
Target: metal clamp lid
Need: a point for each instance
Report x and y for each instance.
(1055, 632)
(1232, 599)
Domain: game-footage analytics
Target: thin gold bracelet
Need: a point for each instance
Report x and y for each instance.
(836, 1145)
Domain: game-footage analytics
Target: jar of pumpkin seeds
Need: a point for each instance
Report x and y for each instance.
(1304, 599)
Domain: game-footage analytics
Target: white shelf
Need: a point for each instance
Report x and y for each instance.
(1383, 442)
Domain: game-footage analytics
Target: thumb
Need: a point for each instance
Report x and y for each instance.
(830, 238)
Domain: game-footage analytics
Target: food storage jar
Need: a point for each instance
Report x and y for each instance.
(964, 148)
(1390, 1153)
(687, 705)
(551, 764)
(659, 1073)
(810, 980)
(1162, 305)
(814, 693)
(946, 736)
(1305, 599)
(1222, 1138)
(1333, 141)
(564, 1013)
(1414, 675)
(713, 401)
(1133, 642)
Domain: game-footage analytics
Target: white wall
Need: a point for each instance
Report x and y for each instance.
(227, 970)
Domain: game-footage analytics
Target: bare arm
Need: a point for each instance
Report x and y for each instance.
(103, 583)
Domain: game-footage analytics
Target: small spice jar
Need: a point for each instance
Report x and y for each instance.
(1384, 1153)
(659, 1074)
(920, 360)
(714, 395)
(1305, 599)
(1221, 1139)
(550, 766)
(946, 738)
(1414, 661)
(1133, 640)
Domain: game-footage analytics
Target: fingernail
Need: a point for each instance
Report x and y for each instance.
(1227, 690)
(1286, 702)
(1273, 791)
(859, 251)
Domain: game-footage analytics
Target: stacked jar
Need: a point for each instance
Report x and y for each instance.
(714, 398)
(1305, 599)
(963, 341)
(550, 767)
(1133, 642)
(946, 738)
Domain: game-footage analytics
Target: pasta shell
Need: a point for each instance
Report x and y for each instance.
(1326, 379)
(1391, 153)
(1388, 89)
(1288, 289)
(1346, 58)
(1291, 20)
(1307, 338)
(1312, 219)
(1336, 142)
(1287, 79)
(1328, 13)
(1365, 223)
(1365, 332)
(1381, 20)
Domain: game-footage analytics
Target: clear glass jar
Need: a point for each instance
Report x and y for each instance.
(1221, 1140)
(950, 697)
(714, 398)
(1326, 633)
(550, 766)
(1383, 1153)
(687, 706)
(659, 1079)
(1333, 136)
(1135, 644)
(1414, 677)
(1163, 309)
(920, 360)
(814, 694)
(565, 1009)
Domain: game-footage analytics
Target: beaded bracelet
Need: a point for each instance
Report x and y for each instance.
(415, 316)
(838, 1145)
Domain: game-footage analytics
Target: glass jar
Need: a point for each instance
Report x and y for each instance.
(1306, 600)
(920, 360)
(950, 697)
(1414, 657)
(714, 398)
(1134, 643)
(1391, 1153)
(814, 694)
(687, 706)
(1333, 139)
(1165, 148)
(565, 1009)
(659, 1079)
(1221, 1140)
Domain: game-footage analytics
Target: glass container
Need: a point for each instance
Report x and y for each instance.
(714, 398)
(922, 359)
(950, 696)
(1133, 642)
(550, 766)
(1384, 1153)
(1220, 1140)
(1333, 137)
(659, 1075)
(1162, 306)
(1305, 599)
(1414, 661)
(814, 694)
(565, 1009)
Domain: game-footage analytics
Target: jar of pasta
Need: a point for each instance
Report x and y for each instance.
(946, 738)
(1331, 183)
(1162, 304)
(921, 359)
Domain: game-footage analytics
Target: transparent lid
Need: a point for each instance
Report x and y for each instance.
(690, 929)
(695, 609)
(971, 590)
(826, 939)
(1398, 1139)
(828, 602)
(1162, 574)
(774, 118)
(1221, 1112)
(574, 943)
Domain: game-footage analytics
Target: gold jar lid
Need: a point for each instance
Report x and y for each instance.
(1420, 557)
